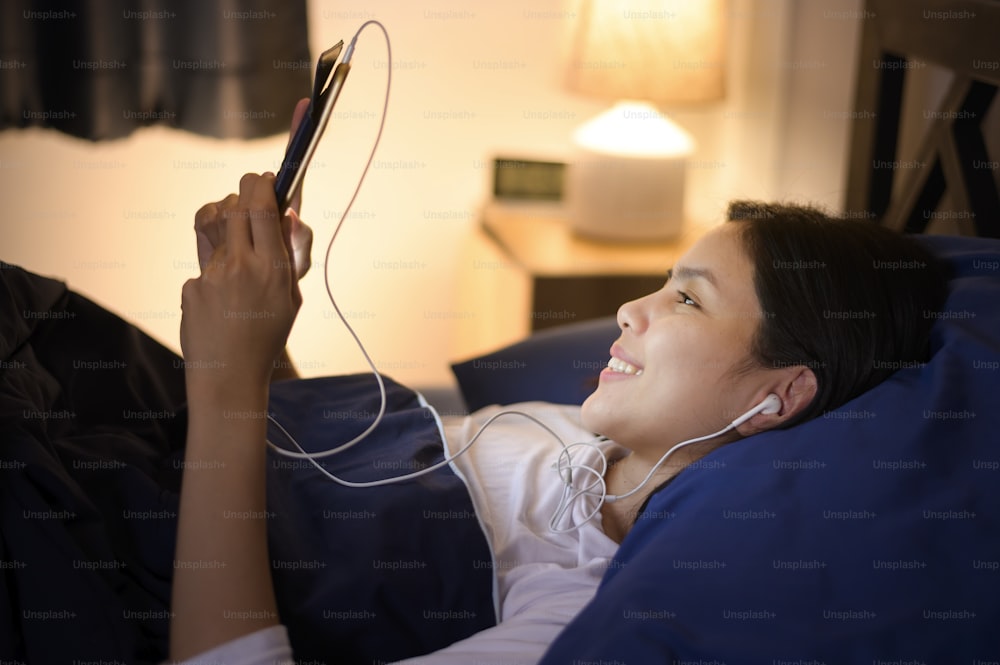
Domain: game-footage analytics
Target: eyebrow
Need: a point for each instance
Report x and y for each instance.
(686, 272)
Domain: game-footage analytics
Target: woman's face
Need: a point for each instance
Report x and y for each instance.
(671, 373)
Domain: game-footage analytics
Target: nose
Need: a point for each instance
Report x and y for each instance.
(631, 316)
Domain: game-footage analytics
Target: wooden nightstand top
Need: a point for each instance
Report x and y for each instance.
(538, 238)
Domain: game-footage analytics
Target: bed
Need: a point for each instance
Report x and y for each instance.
(868, 535)
(871, 534)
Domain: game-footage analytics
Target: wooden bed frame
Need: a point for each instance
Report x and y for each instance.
(953, 162)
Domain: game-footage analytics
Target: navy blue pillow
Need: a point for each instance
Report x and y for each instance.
(871, 534)
(558, 365)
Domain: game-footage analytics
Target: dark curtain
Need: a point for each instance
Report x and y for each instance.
(98, 69)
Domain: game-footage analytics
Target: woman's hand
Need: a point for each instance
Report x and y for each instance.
(238, 313)
(210, 227)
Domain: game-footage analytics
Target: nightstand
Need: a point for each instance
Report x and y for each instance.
(523, 270)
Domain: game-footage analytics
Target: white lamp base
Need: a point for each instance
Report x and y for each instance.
(625, 199)
(626, 180)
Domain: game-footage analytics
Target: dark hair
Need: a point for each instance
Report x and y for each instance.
(851, 300)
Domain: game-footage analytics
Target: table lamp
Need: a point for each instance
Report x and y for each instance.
(625, 180)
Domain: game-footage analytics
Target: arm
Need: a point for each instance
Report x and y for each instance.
(237, 316)
(222, 577)
(284, 368)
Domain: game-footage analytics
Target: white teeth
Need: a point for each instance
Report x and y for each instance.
(619, 365)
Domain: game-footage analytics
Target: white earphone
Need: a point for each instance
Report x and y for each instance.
(769, 405)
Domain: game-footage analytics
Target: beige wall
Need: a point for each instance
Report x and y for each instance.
(824, 39)
(473, 79)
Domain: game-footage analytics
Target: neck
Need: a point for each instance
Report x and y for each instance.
(630, 471)
(627, 473)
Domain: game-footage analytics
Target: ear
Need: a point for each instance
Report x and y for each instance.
(796, 390)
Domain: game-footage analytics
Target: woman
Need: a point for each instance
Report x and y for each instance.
(781, 301)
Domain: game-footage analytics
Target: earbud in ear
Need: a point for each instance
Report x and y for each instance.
(772, 404)
(769, 405)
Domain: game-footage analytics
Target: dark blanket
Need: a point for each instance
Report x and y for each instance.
(92, 427)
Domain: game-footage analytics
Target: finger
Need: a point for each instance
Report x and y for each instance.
(301, 247)
(239, 229)
(263, 212)
(210, 219)
(206, 229)
(206, 215)
(238, 234)
(246, 189)
(210, 211)
(205, 249)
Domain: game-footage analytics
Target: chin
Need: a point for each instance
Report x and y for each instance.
(586, 410)
(593, 416)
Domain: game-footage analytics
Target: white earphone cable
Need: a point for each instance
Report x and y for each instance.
(302, 454)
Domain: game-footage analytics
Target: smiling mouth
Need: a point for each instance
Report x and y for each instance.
(622, 367)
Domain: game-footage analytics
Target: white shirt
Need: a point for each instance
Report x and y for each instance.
(542, 579)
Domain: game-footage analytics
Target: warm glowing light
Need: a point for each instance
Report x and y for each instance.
(634, 129)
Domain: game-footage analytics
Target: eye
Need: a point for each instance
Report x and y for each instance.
(682, 298)
(685, 299)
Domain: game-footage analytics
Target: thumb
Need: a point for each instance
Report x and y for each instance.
(299, 240)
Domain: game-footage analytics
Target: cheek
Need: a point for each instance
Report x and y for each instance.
(689, 352)
(692, 369)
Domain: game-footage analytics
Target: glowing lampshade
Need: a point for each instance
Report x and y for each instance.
(626, 179)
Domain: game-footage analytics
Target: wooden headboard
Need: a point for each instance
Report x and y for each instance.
(952, 175)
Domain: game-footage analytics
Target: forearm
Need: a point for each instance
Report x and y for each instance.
(236, 318)
(284, 368)
(222, 576)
